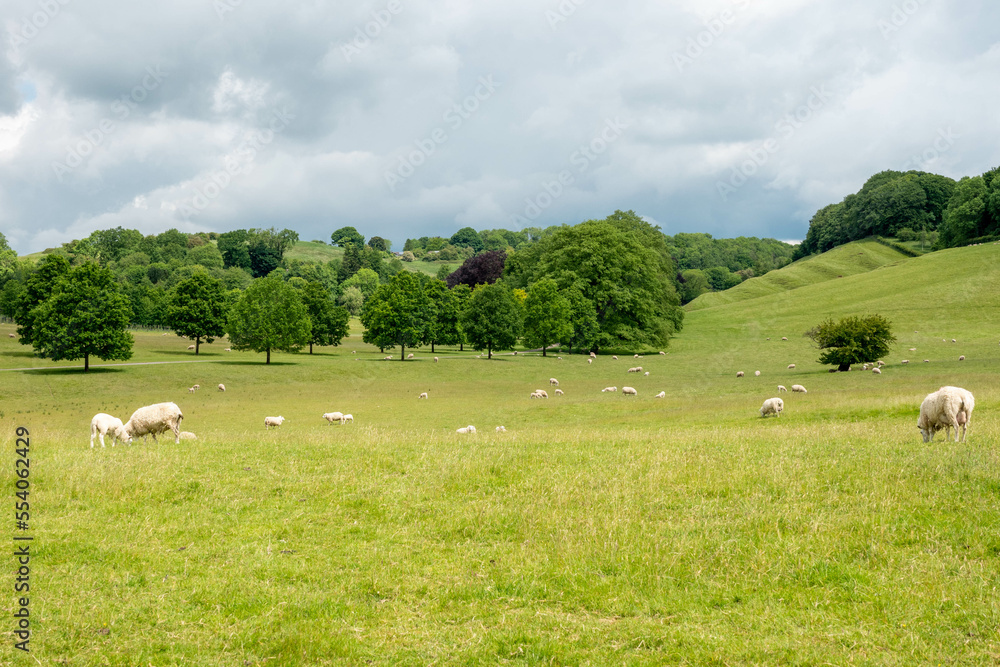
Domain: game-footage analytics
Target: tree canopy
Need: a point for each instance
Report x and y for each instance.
(853, 340)
(329, 321)
(198, 309)
(483, 269)
(269, 315)
(492, 319)
(547, 315)
(347, 236)
(398, 313)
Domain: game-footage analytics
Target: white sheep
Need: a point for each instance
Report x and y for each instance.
(333, 417)
(273, 421)
(593, 355)
(877, 371)
(191, 390)
(387, 359)
(772, 406)
(423, 395)
(534, 394)
(784, 338)
(102, 424)
(409, 356)
(962, 358)
(905, 361)
(756, 373)
(554, 382)
(222, 387)
(635, 356)
(629, 391)
(791, 366)
(799, 389)
(946, 408)
(228, 349)
(614, 357)
(559, 392)
(662, 394)
(196, 386)
(190, 347)
(501, 429)
(646, 374)
(609, 389)
(467, 429)
(781, 387)
(347, 418)
(662, 352)
(153, 420)
(739, 374)
(927, 361)
(542, 393)
(10, 335)
(590, 361)
(880, 363)
(435, 360)
(188, 435)
(953, 340)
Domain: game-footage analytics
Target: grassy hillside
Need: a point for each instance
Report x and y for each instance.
(842, 261)
(599, 529)
(323, 252)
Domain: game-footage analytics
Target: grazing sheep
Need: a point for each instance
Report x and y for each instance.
(629, 391)
(590, 361)
(880, 363)
(467, 429)
(646, 374)
(554, 382)
(662, 394)
(13, 336)
(103, 423)
(635, 356)
(913, 349)
(409, 356)
(435, 360)
(905, 361)
(423, 395)
(273, 421)
(153, 420)
(799, 389)
(559, 392)
(637, 369)
(927, 361)
(784, 338)
(190, 347)
(191, 390)
(196, 386)
(791, 366)
(188, 435)
(877, 371)
(228, 349)
(739, 374)
(333, 417)
(501, 429)
(781, 387)
(962, 358)
(542, 393)
(662, 352)
(953, 340)
(614, 357)
(756, 374)
(946, 408)
(222, 387)
(534, 394)
(772, 406)
(593, 355)
(609, 389)
(387, 359)
(347, 418)
(864, 367)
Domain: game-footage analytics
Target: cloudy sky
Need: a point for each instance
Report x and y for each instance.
(407, 118)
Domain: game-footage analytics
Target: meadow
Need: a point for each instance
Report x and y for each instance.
(599, 529)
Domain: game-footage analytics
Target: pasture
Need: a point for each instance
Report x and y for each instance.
(600, 529)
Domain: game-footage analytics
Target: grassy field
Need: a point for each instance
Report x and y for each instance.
(599, 529)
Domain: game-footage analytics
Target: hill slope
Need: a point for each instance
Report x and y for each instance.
(845, 260)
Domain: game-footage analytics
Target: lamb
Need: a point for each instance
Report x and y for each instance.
(222, 387)
(799, 389)
(784, 338)
(191, 390)
(333, 417)
(103, 423)
(636, 369)
(542, 393)
(559, 392)
(590, 361)
(877, 371)
(13, 336)
(609, 389)
(467, 429)
(880, 363)
(772, 406)
(947, 408)
(196, 386)
(273, 421)
(228, 349)
(347, 418)
(739, 374)
(905, 361)
(534, 394)
(781, 387)
(153, 420)
(435, 360)
(662, 394)
(629, 391)
(593, 355)
(646, 374)
(423, 395)
(756, 373)
(662, 352)
(188, 435)
(554, 382)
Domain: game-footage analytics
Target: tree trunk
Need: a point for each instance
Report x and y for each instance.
(461, 347)
(402, 352)
(543, 349)
(310, 345)
(197, 344)
(432, 347)
(86, 363)
(268, 355)
(843, 368)
(489, 352)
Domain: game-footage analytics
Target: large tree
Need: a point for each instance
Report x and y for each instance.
(852, 340)
(269, 316)
(398, 313)
(198, 309)
(547, 315)
(467, 237)
(329, 321)
(583, 320)
(484, 268)
(492, 319)
(347, 236)
(443, 328)
(85, 315)
(37, 289)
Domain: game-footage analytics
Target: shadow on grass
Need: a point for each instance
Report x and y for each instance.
(188, 353)
(75, 370)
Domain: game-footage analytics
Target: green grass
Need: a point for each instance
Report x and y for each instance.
(597, 530)
(323, 252)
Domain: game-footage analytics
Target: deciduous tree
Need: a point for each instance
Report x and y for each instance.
(398, 313)
(269, 316)
(547, 315)
(853, 340)
(492, 319)
(198, 309)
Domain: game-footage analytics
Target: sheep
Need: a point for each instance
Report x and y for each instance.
(387, 359)
(153, 420)
(542, 393)
(739, 374)
(772, 406)
(877, 371)
(190, 347)
(196, 386)
(880, 363)
(593, 355)
(409, 356)
(10, 335)
(635, 356)
(609, 389)
(927, 361)
(662, 353)
(103, 423)
(423, 395)
(590, 361)
(913, 349)
(662, 394)
(534, 394)
(191, 390)
(333, 417)
(629, 391)
(781, 387)
(905, 361)
(864, 367)
(953, 340)
(347, 418)
(435, 360)
(188, 435)
(791, 366)
(756, 374)
(784, 338)
(467, 429)
(273, 421)
(222, 387)
(554, 382)
(559, 392)
(636, 369)
(614, 357)
(947, 408)
(646, 374)
(799, 389)
(228, 349)
(501, 429)
(962, 358)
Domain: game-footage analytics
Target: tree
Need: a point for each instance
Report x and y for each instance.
(492, 320)
(583, 320)
(269, 316)
(443, 328)
(353, 300)
(8, 260)
(38, 287)
(329, 321)
(347, 236)
(547, 315)
(235, 249)
(966, 215)
(462, 294)
(853, 340)
(467, 237)
(398, 313)
(380, 244)
(86, 314)
(365, 280)
(483, 269)
(694, 284)
(197, 309)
